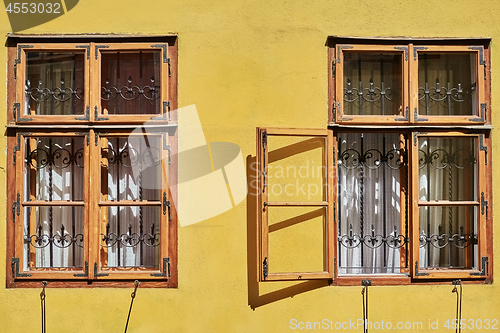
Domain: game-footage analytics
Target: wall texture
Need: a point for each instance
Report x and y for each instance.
(246, 64)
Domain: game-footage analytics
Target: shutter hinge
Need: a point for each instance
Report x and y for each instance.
(16, 208)
(483, 148)
(167, 147)
(265, 269)
(15, 269)
(166, 269)
(484, 203)
(98, 274)
(166, 205)
(484, 268)
(86, 272)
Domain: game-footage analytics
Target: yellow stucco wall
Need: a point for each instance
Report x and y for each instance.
(246, 64)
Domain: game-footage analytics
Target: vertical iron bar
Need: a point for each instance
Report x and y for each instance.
(118, 84)
(141, 108)
(406, 200)
(360, 87)
(428, 208)
(450, 209)
(51, 249)
(118, 229)
(448, 98)
(382, 86)
(361, 194)
(73, 233)
(339, 223)
(426, 86)
(384, 212)
(140, 207)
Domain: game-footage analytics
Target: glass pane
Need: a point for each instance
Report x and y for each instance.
(53, 237)
(130, 82)
(54, 168)
(296, 169)
(371, 173)
(448, 169)
(447, 84)
(297, 239)
(373, 83)
(131, 236)
(448, 237)
(131, 168)
(54, 83)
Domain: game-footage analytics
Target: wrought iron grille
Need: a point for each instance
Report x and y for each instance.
(131, 92)
(57, 94)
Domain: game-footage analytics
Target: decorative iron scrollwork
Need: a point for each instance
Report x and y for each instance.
(129, 156)
(59, 94)
(373, 241)
(372, 159)
(371, 94)
(131, 92)
(442, 240)
(131, 239)
(60, 158)
(62, 239)
(441, 159)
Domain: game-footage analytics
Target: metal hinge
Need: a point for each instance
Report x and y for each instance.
(484, 203)
(16, 208)
(166, 205)
(484, 268)
(98, 118)
(17, 113)
(18, 60)
(166, 111)
(416, 48)
(96, 137)
(483, 148)
(15, 269)
(86, 272)
(406, 118)
(415, 114)
(166, 269)
(265, 269)
(405, 48)
(87, 114)
(482, 118)
(97, 47)
(482, 60)
(98, 274)
(416, 270)
(86, 134)
(86, 47)
(335, 107)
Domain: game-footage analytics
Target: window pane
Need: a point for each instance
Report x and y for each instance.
(372, 83)
(53, 237)
(448, 237)
(296, 169)
(297, 239)
(54, 83)
(131, 237)
(131, 168)
(54, 168)
(448, 168)
(371, 173)
(130, 82)
(447, 84)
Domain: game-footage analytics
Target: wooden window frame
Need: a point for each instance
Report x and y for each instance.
(480, 63)
(338, 64)
(91, 128)
(263, 159)
(410, 124)
(481, 174)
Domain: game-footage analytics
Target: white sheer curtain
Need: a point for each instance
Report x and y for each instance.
(129, 155)
(54, 170)
(369, 203)
(447, 172)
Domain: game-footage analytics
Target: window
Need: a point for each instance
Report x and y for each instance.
(403, 170)
(91, 140)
